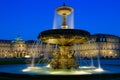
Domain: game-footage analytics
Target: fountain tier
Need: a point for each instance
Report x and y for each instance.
(64, 36)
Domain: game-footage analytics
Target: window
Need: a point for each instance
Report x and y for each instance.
(103, 39)
(100, 39)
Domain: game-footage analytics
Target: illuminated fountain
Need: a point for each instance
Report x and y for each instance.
(64, 37)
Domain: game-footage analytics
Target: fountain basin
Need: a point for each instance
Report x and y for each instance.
(64, 10)
(64, 36)
(41, 71)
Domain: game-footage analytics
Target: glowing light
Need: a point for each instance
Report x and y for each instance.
(70, 72)
(27, 56)
(82, 72)
(30, 69)
(48, 66)
(27, 69)
(57, 72)
(99, 70)
(45, 70)
(86, 67)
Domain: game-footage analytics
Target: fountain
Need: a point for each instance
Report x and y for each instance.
(64, 38)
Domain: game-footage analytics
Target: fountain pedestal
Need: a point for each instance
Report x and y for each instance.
(64, 59)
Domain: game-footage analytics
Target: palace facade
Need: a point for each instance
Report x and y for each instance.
(104, 45)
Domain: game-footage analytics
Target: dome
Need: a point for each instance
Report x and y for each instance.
(18, 39)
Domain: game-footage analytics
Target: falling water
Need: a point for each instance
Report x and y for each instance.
(57, 23)
(92, 64)
(70, 21)
(98, 56)
(56, 47)
(33, 55)
(54, 23)
(81, 61)
(41, 49)
(46, 51)
(76, 51)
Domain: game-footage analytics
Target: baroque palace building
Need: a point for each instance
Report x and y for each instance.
(105, 45)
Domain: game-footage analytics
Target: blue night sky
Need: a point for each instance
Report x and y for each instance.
(28, 18)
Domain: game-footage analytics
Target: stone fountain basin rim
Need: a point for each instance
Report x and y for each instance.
(64, 32)
(64, 36)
